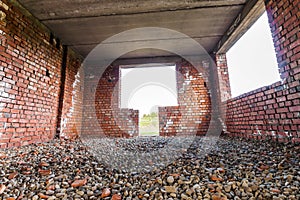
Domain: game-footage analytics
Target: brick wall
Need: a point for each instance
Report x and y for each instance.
(31, 69)
(112, 120)
(192, 115)
(30, 76)
(169, 120)
(70, 120)
(267, 111)
(275, 109)
(284, 22)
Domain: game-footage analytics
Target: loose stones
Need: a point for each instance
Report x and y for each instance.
(225, 169)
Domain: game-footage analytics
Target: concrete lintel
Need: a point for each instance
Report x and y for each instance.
(244, 20)
(159, 59)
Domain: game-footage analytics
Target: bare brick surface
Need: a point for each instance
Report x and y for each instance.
(42, 91)
(274, 110)
(112, 120)
(192, 115)
(30, 74)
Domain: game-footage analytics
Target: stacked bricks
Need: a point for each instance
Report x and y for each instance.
(169, 120)
(30, 81)
(118, 122)
(284, 22)
(71, 117)
(30, 78)
(274, 111)
(112, 120)
(192, 115)
(266, 112)
(223, 77)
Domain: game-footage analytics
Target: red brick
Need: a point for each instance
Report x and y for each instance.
(293, 96)
(30, 49)
(287, 47)
(294, 108)
(29, 102)
(13, 140)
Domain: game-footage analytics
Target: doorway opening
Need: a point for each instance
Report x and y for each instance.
(145, 88)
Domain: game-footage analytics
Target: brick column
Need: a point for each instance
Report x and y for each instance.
(223, 77)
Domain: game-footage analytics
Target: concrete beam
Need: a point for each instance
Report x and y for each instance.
(244, 20)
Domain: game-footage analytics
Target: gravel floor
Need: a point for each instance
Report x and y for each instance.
(229, 169)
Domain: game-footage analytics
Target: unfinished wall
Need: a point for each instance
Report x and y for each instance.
(193, 113)
(39, 93)
(70, 119)
(192, 116)
(274, 110)
(30, 77)
(112, 120)
(268, 111)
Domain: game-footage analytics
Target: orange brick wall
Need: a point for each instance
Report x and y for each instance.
(41, 95)
(70, 120)
(274, 111)
(111, 120)
(193, 113)
(30, 78)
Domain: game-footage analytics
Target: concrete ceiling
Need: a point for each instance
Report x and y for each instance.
(82, 24)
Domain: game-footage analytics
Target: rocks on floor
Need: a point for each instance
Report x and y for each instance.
(232, 169)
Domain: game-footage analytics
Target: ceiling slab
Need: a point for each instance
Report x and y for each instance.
(82, 24)
(205, 43)
(87, 31)
(62, 9)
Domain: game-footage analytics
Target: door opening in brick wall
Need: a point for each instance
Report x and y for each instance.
(252, 60)
(146, 88)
